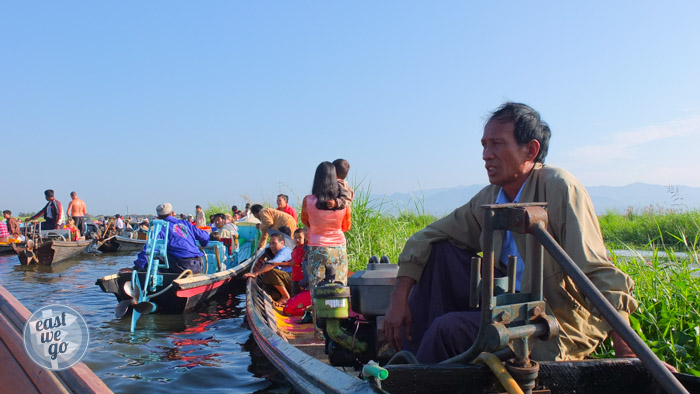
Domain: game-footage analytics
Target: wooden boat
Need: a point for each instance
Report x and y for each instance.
(50, 252)
(510, 323)
(295, 351)
(19, 374)
(181, 292)
(6, 248)
(118, 243)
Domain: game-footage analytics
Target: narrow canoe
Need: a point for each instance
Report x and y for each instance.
(122, 244)
(293, 349)
(183, 294)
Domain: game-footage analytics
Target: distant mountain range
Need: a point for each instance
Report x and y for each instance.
(638, 196)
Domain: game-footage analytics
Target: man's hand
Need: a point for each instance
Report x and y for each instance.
(622, 350)
(398, 315)
(249, 275)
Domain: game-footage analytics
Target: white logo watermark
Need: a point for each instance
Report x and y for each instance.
(56, 337)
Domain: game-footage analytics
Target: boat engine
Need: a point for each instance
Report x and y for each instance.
(353, 339)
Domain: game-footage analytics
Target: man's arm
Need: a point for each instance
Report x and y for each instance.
(199, 234)
(265, 268)
(575, 226)
(69, 210)
(59, 214)
(41, 212)
(265, 223)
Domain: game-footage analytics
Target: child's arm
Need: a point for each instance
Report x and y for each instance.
(347, 221)
(304, 213)
(343, 200)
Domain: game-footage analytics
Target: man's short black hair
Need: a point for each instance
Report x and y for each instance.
(528, 125)
(285, 230)
(342, 167)
(48, 192)
(7, 211)
(255, 209)
(219, 215)
(279, 236)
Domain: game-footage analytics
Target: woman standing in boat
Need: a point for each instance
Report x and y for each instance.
(326, 227)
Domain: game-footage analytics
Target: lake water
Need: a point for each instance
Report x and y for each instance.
(208, 349)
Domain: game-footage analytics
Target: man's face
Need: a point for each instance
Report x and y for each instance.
(275, 244)
(219, 221)
(281, 203)
(507, 163)
(6, 215)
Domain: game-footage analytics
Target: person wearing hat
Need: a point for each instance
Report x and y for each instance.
(183, 253)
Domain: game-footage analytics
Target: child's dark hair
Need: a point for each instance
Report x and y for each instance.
(299, 230)
(342, 167)
(286, 230)
(215, 236)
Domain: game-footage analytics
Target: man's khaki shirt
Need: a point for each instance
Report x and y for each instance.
(574, 225)
(273, 219)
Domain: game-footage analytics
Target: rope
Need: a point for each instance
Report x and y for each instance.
(182, 275)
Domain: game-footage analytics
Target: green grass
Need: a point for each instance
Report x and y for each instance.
(375, 232)
(640, 228)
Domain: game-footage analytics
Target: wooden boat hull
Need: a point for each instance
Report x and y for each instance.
(185, 294)
(53, 252)
(6, 248)
(122, 244)
(293, 350)
(20, 374)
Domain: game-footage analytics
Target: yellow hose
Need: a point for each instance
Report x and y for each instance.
(500, 371)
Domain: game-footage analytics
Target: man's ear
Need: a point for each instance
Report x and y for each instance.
(533, 149)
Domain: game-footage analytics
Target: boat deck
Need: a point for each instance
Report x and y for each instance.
(298, 335)
(19, 374)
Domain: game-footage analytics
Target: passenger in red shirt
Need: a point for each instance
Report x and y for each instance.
(297, 258)
(282, 205)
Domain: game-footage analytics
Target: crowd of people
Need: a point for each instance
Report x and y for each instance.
(429, 312)
(290, 270)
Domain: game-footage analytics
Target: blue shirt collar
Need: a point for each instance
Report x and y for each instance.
(503, 198)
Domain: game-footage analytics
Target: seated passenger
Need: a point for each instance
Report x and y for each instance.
(70, 226)
(228, 232)
(12, 227)
(297, 257)
(276, 280)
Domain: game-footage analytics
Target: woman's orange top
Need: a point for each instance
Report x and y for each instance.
(326, 227)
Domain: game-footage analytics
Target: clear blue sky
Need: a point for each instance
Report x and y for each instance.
(134, 103)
